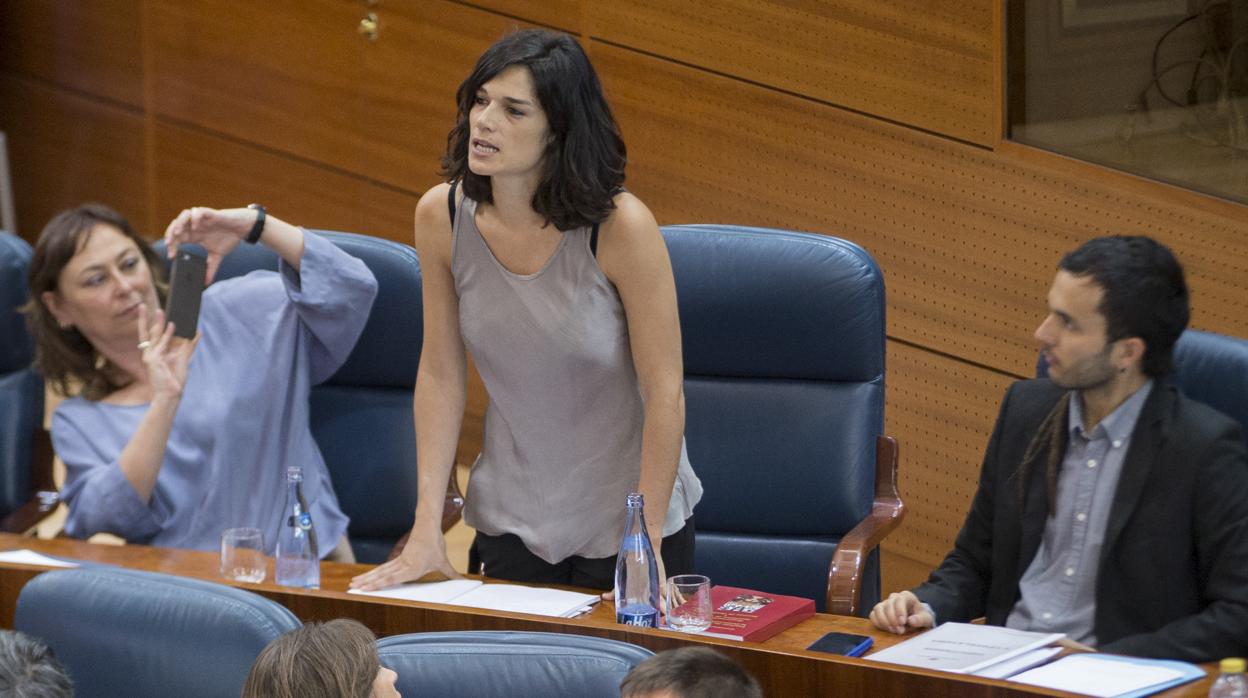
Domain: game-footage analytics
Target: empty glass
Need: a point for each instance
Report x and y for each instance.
(689, 603)
(242, 555)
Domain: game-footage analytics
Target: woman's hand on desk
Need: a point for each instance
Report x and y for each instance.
(900, 612)
(423, 556)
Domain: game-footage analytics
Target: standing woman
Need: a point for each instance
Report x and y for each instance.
(168, 441)
(559, 284)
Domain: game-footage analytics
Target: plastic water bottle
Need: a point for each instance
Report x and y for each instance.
(298, 564)
(1232, 683)
(636, 572)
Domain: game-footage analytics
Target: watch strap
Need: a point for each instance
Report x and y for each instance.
(257, 228)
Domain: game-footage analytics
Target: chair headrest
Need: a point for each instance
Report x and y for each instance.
(17, 350)
(126, 632)
(1213, 368)
(765, 303)
(500, 663)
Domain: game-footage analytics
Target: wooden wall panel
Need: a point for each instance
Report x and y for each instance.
(282, 74)
(198, 169)
(942, 410)
(65, 149)
(425, 48)
(968, 239)
(92, 47)
(559, 14)
(932, 64)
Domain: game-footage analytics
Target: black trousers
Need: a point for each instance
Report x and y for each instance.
(507, 557)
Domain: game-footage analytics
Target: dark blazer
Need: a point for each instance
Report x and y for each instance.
(1173, 576)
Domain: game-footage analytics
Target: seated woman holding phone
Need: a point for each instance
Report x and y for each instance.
(171, 434)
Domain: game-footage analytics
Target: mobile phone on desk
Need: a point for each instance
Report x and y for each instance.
(186, 288)
(846, 644)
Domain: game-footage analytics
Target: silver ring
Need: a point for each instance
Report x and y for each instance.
(144, 344)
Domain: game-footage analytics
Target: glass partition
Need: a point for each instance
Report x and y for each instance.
(1154, 87)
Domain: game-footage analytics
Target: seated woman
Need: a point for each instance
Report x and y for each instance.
(169, 441)
(337, 659)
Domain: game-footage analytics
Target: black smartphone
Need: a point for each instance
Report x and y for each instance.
(185, 290)
(847, 644)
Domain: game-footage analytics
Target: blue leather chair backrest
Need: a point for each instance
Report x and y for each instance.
(1213, 368)
(783, 338)
(129, 633)
(21, 388)
(362, 416)
(485, 664)
(1210, 368)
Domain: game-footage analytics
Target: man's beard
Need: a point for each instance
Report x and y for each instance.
(1087, 373)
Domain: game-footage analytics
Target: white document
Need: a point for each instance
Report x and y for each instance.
(964, 648)
(30, 557)
(496, 597)
(1022, 662)
(431, 592)
(1095, 676)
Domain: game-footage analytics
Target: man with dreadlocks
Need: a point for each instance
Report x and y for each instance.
(1110, 507)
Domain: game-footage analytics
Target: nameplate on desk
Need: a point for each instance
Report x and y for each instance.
(495, 597)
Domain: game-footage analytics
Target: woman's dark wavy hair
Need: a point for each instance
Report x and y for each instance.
(583, 166)
(63, 355)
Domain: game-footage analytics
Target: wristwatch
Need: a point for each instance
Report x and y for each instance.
(257, 228)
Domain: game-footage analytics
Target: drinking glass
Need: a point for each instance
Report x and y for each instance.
(689, 603)
(242, 555)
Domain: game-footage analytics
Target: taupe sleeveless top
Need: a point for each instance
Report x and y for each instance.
(563, 425)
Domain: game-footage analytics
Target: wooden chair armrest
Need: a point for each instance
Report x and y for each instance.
(45, 499)
(846, 571)
(24, 519)
(452, 508)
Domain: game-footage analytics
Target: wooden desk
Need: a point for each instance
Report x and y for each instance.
(781, 664)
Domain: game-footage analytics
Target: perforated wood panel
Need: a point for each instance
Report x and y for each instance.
(283, 74)
(968, 239)
(560, 14)
(93, 47)
(932, 64)
(409, 78)
(942, 410)
(65, 149)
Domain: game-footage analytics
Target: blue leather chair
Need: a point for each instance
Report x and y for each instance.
(129, 633)
(483, 664)
(1208, 367)
(26, 491)
(362, 416)
(784, 390)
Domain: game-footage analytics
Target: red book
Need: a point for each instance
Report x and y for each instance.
(754, 616)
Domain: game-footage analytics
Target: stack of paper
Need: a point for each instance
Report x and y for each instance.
(30, 557)
(964, 648)
(496, 597)
(1110, 676)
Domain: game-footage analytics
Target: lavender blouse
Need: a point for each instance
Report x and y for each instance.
(267, 339)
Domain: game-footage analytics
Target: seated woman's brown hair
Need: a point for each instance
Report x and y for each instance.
(65, 357)
(337, 659)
